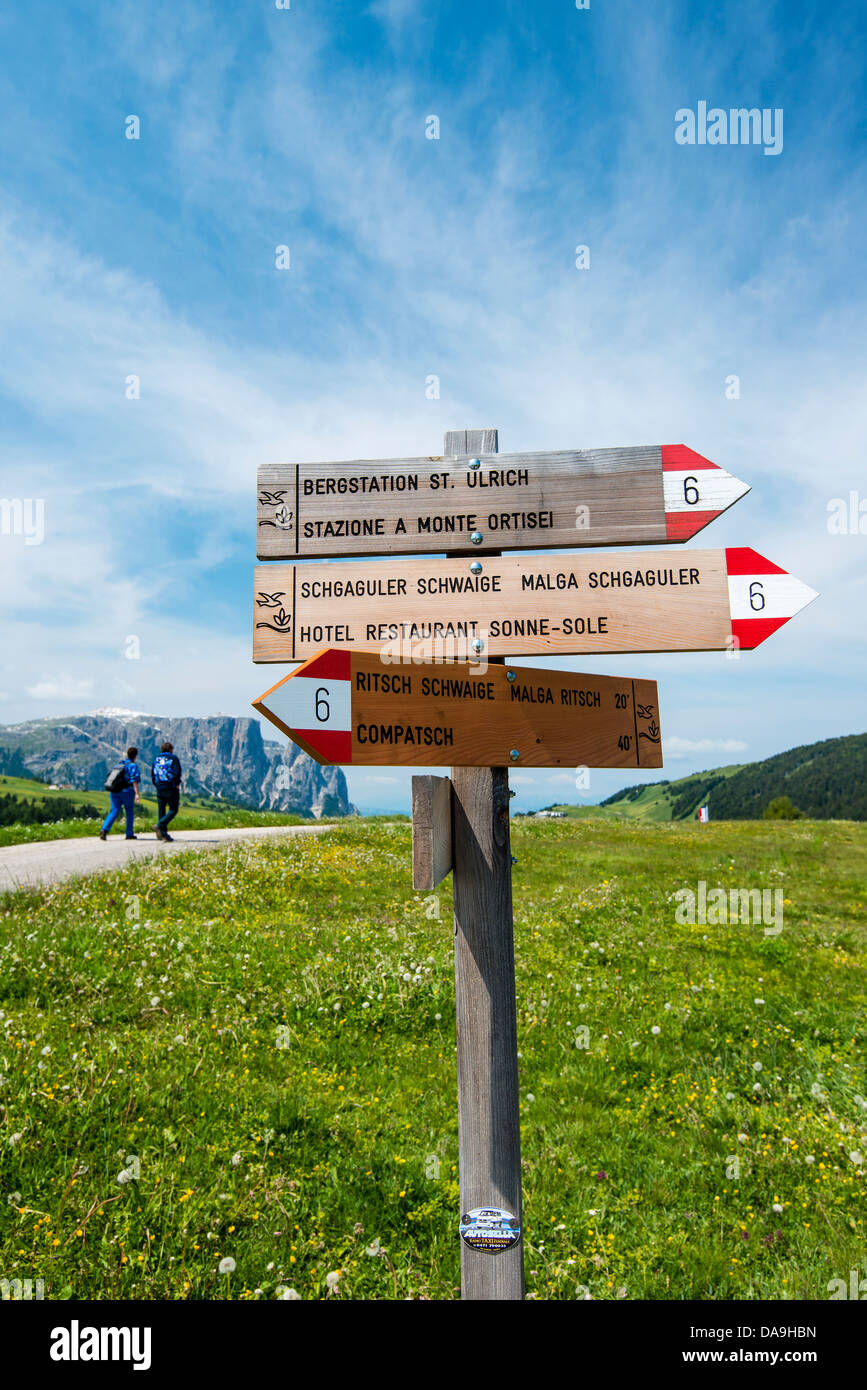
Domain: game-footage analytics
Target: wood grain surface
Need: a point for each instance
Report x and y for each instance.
(431, 831)
(489, 1126)
(350, 708)
(435, 609)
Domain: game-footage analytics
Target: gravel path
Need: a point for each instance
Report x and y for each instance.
(49, 861)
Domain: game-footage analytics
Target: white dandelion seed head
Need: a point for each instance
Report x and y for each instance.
(236, 1159)
(757, 1066)
(777, 1207)
(332, 1279)
(155, 999)
(656, 1030)
(810, 1158)
(226, 1265)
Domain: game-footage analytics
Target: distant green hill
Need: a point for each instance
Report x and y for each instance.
(827, 781)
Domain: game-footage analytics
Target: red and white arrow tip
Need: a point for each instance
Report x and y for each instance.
(761, 595)
(313, 706)
(695, 490)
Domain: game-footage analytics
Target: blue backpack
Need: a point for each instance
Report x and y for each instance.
(164, 769)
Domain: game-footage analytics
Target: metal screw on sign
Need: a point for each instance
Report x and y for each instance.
(476, 567)
(477, 644)
(514, 755)
(510, 675)
(476, 538)
(474, 463)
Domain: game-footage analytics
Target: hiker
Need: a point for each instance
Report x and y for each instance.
(124, 786)
(166, 776)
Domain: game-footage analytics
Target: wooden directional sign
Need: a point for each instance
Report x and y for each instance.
(634, 496)
(700, 600)
(351, 707)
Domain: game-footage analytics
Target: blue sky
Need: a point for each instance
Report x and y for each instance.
(411, 257)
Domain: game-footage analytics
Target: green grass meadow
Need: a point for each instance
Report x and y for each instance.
(248, 1055)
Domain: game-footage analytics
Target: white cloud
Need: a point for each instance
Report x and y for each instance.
(675, 747)
(62, 687)
(466, 272)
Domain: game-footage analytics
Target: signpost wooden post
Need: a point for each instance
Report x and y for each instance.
(380, 684)
(489, 1124)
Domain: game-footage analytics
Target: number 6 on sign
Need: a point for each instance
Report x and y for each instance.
(319, 705)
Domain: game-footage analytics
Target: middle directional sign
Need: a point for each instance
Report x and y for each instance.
(351, 707)
(461, 609)
(578, 497)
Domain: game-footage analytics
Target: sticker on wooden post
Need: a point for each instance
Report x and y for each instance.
(490, 1229)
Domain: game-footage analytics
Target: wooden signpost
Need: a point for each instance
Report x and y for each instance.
(489, 501)
(402, 667)
(347, 707)
(438, 609)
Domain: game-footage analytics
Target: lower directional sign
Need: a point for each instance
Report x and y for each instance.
(432, 610)
(350, 707)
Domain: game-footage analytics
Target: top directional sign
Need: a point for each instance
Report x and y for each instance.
(579, 497)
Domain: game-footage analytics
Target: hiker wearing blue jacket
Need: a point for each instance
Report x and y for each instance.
(124, 787)
(166, 776)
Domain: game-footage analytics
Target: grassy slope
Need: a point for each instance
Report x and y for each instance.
(197, 813)
(273, 1039)
(653, 803)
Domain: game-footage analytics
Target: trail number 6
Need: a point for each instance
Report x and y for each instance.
(322, 704)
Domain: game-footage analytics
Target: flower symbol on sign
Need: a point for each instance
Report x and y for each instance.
(652, 732)
(282, 516)
(282, 621)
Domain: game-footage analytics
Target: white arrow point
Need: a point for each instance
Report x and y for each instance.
(768, 595)
(701, 489)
